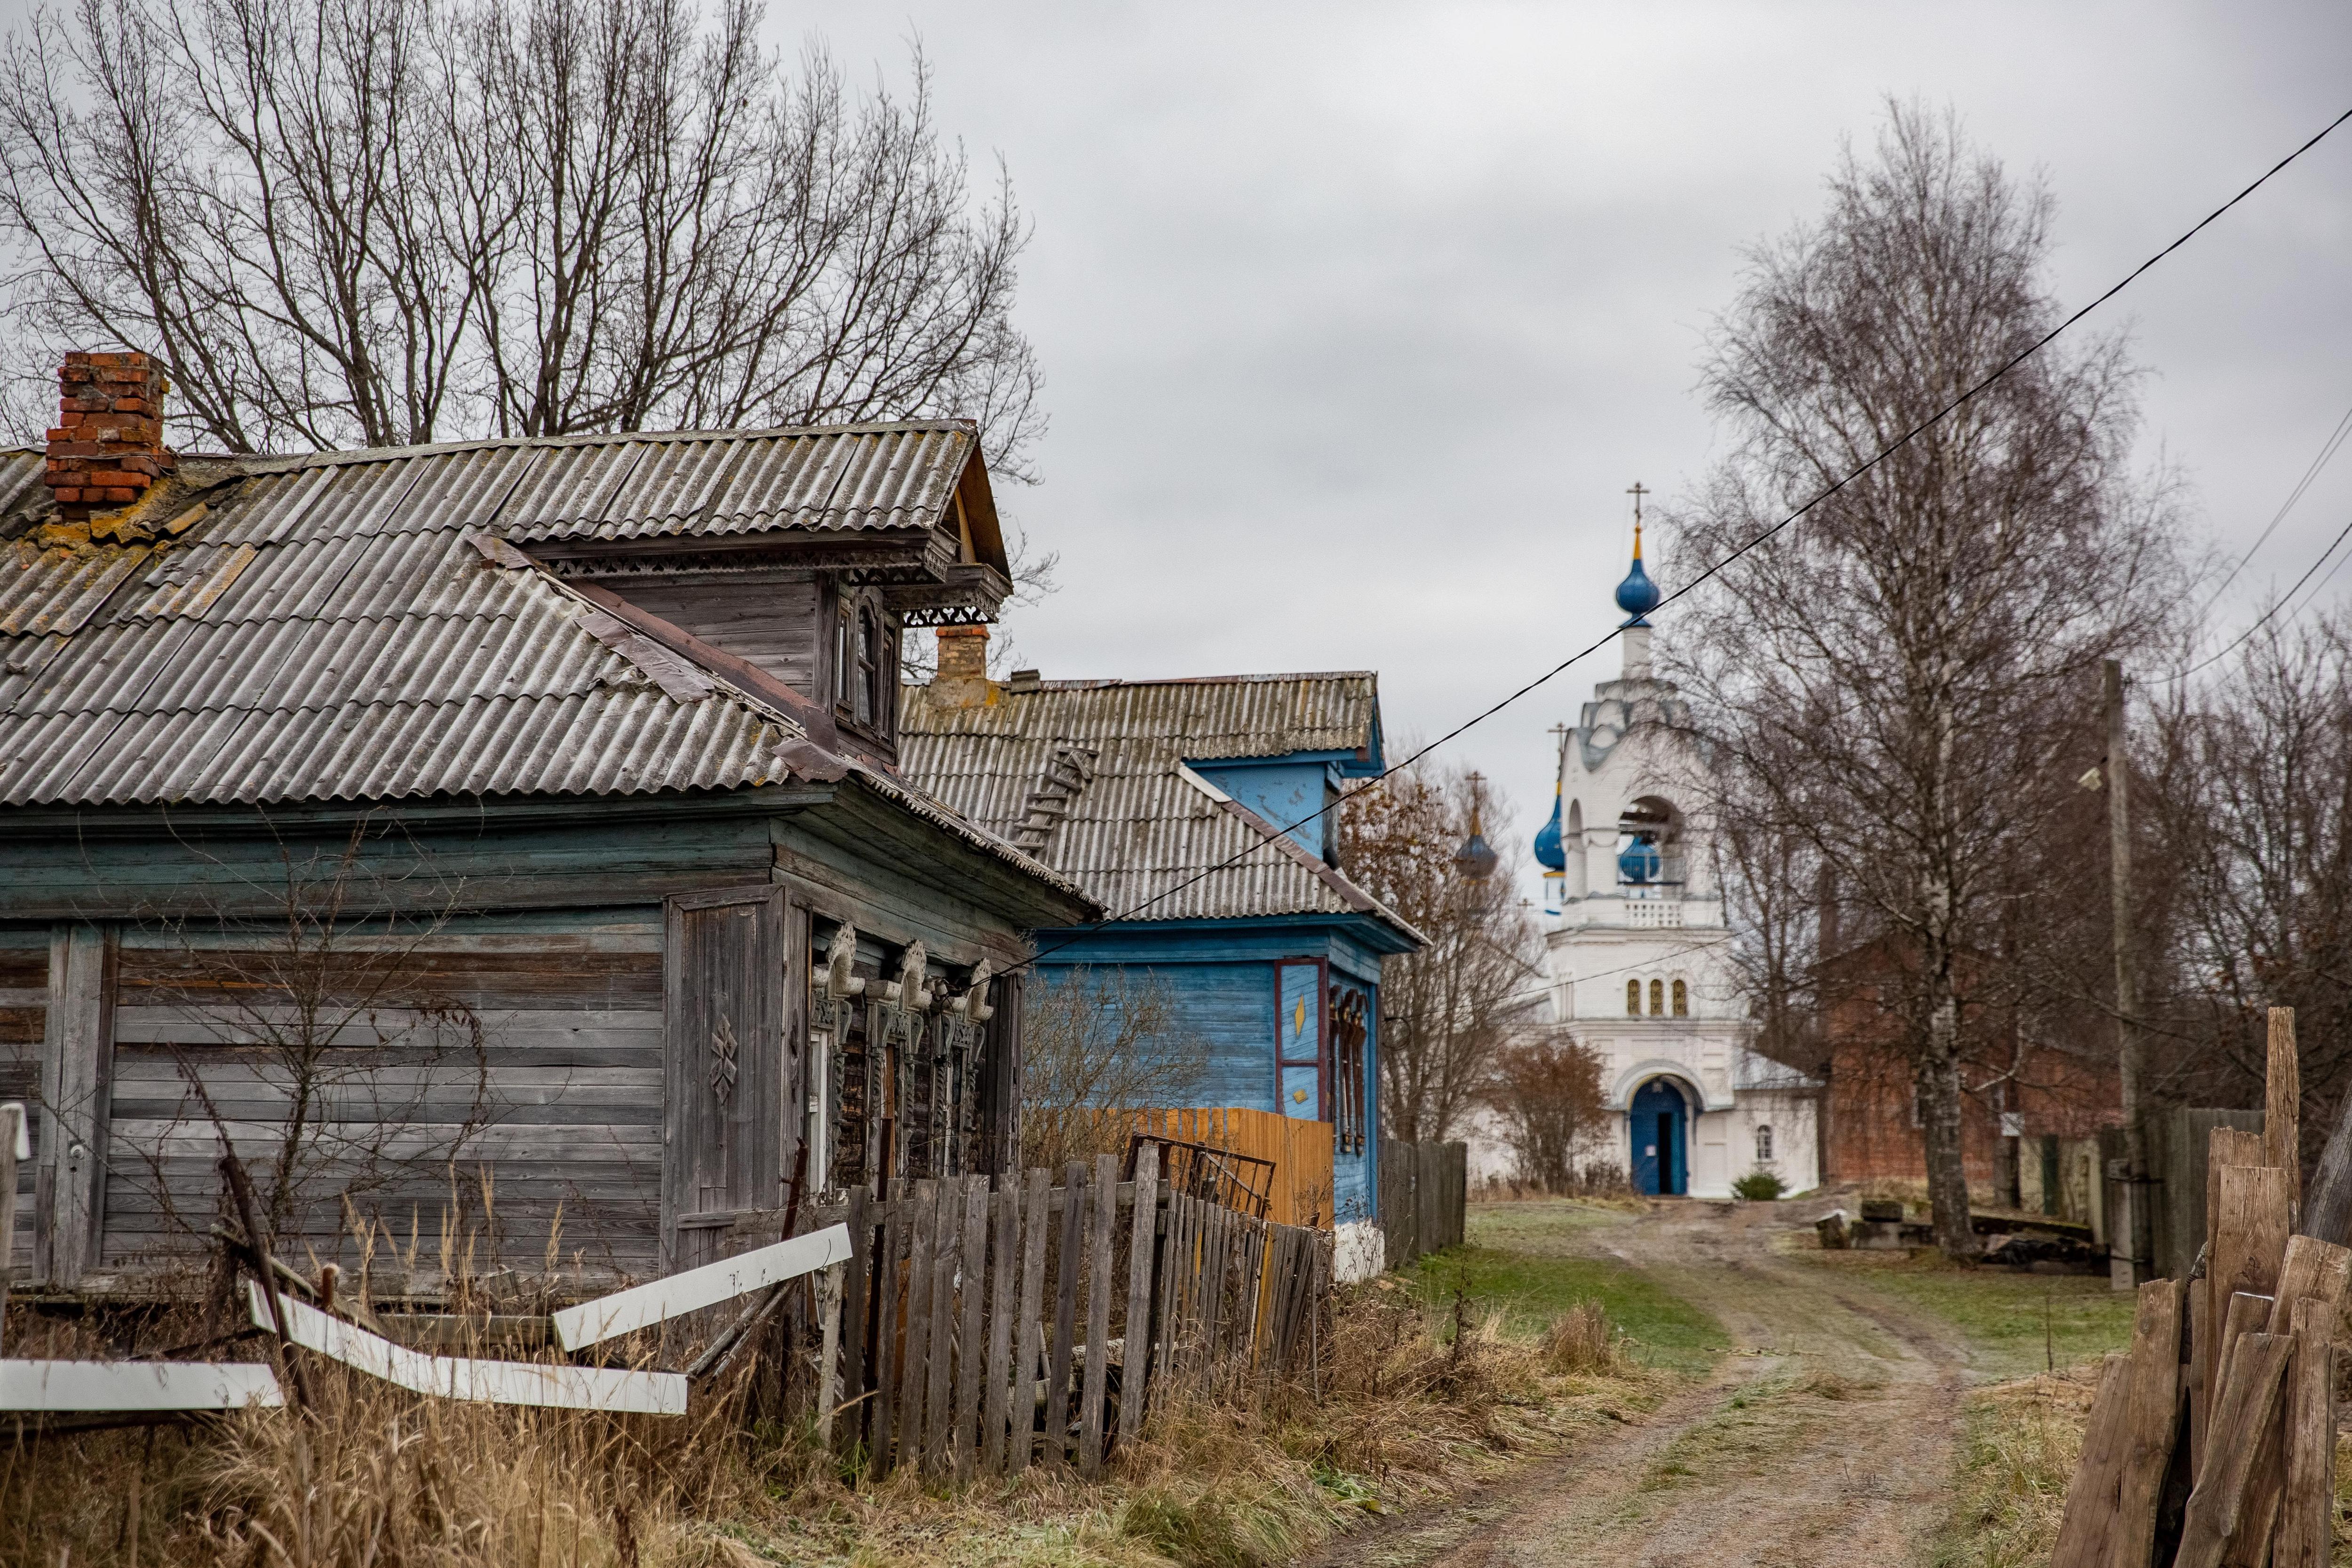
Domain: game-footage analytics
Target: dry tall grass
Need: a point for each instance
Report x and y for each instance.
(370, 1476)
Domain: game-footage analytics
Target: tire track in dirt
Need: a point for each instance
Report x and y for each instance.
(1825, 1434)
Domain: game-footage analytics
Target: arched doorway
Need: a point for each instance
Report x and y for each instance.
(1659, 1121)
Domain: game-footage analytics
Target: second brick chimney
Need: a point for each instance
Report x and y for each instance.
(107, 448)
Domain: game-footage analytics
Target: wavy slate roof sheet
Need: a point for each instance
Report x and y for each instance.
(1147, 842)
(330, 631)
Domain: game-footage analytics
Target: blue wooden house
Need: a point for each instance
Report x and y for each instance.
(1177, 805)
(526, 812)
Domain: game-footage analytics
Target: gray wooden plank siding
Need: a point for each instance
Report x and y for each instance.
(773, 624)
(480, 1091)
(24, 1016)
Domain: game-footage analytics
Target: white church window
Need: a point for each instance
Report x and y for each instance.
(1632, 999)
(1682, 1000)
(1658, 998)
(1763, 1145)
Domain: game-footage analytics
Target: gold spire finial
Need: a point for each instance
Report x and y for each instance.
(1637, 492)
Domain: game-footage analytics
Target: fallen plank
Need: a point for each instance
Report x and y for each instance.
(461, 1377)
(69, 1385)
(624, 1311)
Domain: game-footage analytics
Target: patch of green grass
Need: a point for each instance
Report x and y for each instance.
(2018, 1449)
(1531, 1289)
(2016, 1324)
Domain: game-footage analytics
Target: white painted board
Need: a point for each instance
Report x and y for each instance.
(64, 1385)
(463, 1377)
(642, 1306)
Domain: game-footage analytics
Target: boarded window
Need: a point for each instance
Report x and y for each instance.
(1682, 999)
(1632, 999)
(1658, 998)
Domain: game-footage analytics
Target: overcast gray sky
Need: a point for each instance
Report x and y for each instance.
(1358, 320)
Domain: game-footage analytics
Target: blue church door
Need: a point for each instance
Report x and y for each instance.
(1659, 1122)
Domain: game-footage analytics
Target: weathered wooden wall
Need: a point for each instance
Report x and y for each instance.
(1424, 1198)
(471, 1085)
(773, 624)
(23, 1013)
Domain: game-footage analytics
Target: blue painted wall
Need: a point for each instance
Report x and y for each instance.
(1223, 976)
(1283, 790)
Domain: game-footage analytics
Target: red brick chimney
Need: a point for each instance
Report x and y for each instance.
(961, 680)
(107, 448)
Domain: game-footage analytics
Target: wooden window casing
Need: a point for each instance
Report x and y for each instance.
(1349, 1026)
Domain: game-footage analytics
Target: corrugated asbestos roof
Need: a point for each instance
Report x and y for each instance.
(1139, 834)
(694, 484)
(337, 628)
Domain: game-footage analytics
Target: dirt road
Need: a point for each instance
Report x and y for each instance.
(1825, 1437)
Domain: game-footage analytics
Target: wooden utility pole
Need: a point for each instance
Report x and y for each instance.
(2138, 1238)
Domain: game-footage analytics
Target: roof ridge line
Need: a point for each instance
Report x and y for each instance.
(287, 462)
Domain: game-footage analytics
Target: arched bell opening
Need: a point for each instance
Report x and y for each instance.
(1649, 848)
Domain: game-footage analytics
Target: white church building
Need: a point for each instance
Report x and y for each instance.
(1637, 946)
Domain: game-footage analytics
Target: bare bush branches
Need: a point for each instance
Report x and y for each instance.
(1094, 1043)
(1890, 681)
(377, 223)
(1546, 1091)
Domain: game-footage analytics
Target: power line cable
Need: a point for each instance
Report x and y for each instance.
(2327, 450)
(1880, 456)
(2276, 605)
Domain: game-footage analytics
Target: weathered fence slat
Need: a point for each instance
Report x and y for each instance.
(1065, 1315)
(1135, 1344)
(939, 1323)
(997, 1404)
(973, 1282)
(2306, 1520)
(1029, 1327)
(1103, 1217)
(889, 1339)
(858, 1305)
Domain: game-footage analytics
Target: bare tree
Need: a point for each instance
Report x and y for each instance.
(377, 223)
(1446, 1011)
(1545, 1089)
(1891, 679)
(313, 1043)
(2250, 814)
(1096, 1043)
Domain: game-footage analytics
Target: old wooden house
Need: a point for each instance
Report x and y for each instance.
(501, 844)
(1192, 810)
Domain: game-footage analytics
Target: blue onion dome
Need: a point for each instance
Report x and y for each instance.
(1637, 595)
(1548, 852)
(1639, 862)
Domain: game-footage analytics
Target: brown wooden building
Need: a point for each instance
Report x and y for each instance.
(500, 845)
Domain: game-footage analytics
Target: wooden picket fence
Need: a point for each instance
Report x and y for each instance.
(980, 1328)
(2235, 1362)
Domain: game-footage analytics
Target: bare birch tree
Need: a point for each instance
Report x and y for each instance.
(376, 222)
(1891, 678)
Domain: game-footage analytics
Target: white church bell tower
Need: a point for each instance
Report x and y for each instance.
(1637, 944)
